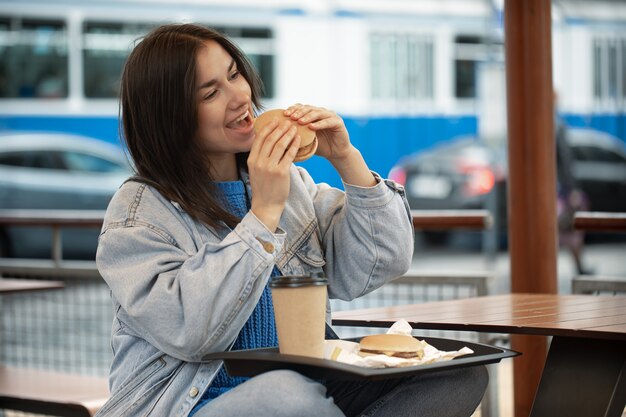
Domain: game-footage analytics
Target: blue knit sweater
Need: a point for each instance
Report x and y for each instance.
(260, 329)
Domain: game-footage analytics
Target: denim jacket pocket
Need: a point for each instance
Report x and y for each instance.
(125, 400)
(309, 254)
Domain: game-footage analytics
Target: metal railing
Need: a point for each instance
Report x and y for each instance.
(66, 330)
(413, 289)
(56, 220)
(63, 330)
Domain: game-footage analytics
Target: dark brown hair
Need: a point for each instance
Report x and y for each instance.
(159, 116)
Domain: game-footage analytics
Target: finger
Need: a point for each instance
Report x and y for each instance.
(312, 114)
(332, 122)
(261, 135)
(289, 110)
(301, 112)
(275, 136)
(281, 146)
(290, 153)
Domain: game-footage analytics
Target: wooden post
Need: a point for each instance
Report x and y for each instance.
(532, 176)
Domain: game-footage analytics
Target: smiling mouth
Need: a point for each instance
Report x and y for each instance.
(243, 121)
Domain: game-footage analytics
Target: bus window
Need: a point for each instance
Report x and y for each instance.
(608, 69)
(465, 65)
(401, 66)
(82, 162)
(33, 58)
(624, 68)
(107, 45)
(469, 51)
(264, 65)
(105, 48)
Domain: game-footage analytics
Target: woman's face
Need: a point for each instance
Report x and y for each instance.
(224, 104)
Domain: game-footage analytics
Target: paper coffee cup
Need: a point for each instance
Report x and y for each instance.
(300, 312)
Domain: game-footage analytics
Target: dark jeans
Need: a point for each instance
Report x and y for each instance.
(453, 393)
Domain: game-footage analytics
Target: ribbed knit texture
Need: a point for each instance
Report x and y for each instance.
(260, 329)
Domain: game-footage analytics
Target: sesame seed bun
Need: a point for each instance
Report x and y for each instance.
(402, 346)
(308, 140)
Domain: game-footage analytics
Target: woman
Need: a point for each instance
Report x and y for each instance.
(570, 198)
(189, 244)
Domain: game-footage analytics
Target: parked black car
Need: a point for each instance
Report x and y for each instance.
(600, 168)
(466, 173)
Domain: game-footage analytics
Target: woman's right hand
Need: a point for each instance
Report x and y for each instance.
(271, 156)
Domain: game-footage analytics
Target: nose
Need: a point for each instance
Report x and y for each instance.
(239, 95)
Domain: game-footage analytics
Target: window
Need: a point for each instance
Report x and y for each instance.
(264, 65)
(401, 66)
(32, 159)
(107, 45)
(12, 159)
(623, 70)
(75, 161)
(33, 58)
(609, 68)
(465, 78)
(469, 50)
(591, 153)
(466, 54)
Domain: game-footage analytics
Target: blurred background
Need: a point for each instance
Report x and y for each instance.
(419, 83)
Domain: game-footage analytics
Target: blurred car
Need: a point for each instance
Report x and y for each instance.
(600, 168)
(466, 173)
(56, 171)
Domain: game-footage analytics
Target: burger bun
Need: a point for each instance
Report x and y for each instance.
(308, 139)
(396, 345)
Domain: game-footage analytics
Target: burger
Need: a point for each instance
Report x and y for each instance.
(396, 345)
(308, 140)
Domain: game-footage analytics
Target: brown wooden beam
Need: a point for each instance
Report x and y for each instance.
(532, 176)
(49, 218)
(452, 219)
(600, 221)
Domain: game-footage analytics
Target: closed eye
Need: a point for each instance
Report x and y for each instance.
(210, 95)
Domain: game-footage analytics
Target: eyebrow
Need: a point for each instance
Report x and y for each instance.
(213, 81)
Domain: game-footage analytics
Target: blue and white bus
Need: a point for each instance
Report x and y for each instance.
(403, 74)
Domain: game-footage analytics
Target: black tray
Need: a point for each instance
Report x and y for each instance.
(256, 361)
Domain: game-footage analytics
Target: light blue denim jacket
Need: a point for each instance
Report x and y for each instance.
(181, 290)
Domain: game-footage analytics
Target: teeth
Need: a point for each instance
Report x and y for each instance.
(240, 118)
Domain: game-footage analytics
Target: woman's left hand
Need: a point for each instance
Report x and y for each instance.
(334, 143)
(332, 135)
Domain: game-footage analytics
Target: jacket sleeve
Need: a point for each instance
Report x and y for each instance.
(186, 303)
(367, 235)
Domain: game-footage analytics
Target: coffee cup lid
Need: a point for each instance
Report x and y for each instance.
(293, 281)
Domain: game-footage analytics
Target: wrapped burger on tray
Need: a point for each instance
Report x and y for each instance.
(396, 348)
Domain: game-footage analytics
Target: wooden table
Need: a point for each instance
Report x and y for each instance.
(585, 371)
(12, 285)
